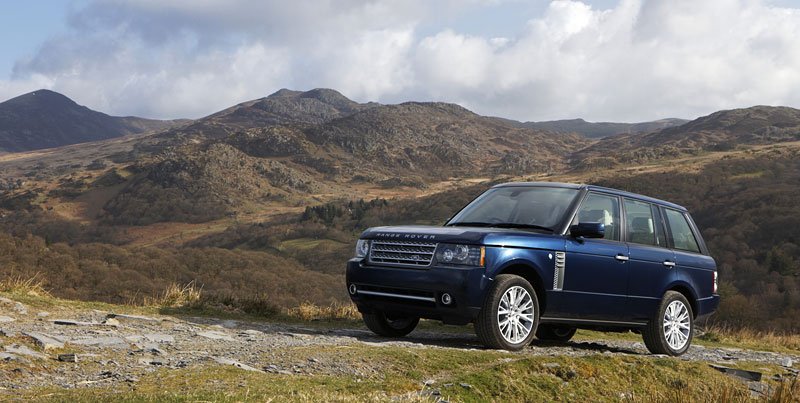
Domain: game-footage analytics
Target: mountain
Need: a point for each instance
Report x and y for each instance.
(47, 119)
(291, 145)
(719, 131)
(602, 129)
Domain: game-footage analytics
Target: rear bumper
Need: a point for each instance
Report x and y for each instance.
(707, 306)
(418, 292)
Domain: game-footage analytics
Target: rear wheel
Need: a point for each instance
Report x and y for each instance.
(560, 333)
(510, 314)
(671, 330)
(389, 325)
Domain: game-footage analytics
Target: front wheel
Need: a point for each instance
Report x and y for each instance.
(671, 330)
(390, 325)
(510, 314)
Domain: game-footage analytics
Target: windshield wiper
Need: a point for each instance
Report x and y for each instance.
(499, 225)
(470, 224)
(522, 226)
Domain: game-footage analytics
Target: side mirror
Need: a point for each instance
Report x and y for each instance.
(588, 230)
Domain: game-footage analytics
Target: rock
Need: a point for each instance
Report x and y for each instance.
(551, 365)
(20, 308)
(43, 314)
(7, 333)
(12, 357)
(151, 362)
(159, 338)
(111, 322)
(102, 342)
(237, 364)
(787, 362)
(738, 373)
(428, 382)
(45, 341)
(229, 324)
(19, 349)
(214, 335)
(757, 389)
(6, 319)
(69, 322)
(465, 385)
(138, 318)
(70, 357)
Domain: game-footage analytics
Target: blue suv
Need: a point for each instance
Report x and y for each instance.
(541, 259)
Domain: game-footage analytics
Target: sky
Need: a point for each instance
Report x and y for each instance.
(602, 60)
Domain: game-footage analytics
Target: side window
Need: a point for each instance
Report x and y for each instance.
(681, 232)
(639, 222)
(603, 209)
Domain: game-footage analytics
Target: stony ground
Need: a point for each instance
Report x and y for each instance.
(71, 348)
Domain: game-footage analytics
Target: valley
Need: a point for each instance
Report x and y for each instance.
(279, 188)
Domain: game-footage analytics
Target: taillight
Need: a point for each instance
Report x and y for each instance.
(715, 283)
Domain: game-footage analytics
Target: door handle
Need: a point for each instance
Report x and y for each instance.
(669, 264)
(621, 257)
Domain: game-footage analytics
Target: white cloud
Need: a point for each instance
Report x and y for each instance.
(637, 60)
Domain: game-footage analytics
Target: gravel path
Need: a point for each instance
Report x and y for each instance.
(78, 349)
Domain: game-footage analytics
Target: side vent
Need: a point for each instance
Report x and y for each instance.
(558, 277)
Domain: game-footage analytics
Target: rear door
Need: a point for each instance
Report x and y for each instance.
(693, 265)
(596, 270)
(651, 262)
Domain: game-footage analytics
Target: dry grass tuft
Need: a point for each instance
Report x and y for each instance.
(177, 296)
(336, 311)
(786, 392)
(751, 337)
(32, 286)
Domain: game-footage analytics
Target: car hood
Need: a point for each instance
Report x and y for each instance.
(508, 237)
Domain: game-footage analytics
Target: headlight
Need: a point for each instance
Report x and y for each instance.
(362, 248)
(460, 254)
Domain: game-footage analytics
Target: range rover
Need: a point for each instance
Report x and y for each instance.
(525, 260)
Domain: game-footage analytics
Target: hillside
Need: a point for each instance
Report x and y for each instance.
(290, 146)
(719, 131)
(47, 119)
(121, 219)
(602, 129)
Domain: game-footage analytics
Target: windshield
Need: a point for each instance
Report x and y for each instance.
(536, 207)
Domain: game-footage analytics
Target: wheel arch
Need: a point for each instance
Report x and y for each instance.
(528, 271)
(687, 291)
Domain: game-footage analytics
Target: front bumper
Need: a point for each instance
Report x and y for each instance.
(418, 292)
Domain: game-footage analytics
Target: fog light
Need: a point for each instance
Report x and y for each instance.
(447, 299)
(352, 289)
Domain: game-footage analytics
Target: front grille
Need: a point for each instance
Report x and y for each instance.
(405, 253)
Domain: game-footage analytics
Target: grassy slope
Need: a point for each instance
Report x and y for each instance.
(384, 373)
(396, 372)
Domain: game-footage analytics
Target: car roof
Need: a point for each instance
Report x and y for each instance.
(594, 188)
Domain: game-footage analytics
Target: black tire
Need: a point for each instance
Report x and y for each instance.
(559, 333)
(385, 326)
(487, 325)
(654, 334)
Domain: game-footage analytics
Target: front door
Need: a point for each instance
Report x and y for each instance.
(596, 270)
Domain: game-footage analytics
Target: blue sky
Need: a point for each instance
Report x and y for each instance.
(613, 60)
(25, 25)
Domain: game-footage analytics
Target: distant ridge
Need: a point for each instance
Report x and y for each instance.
(603, 129)
(46, 119)
(719, 131)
